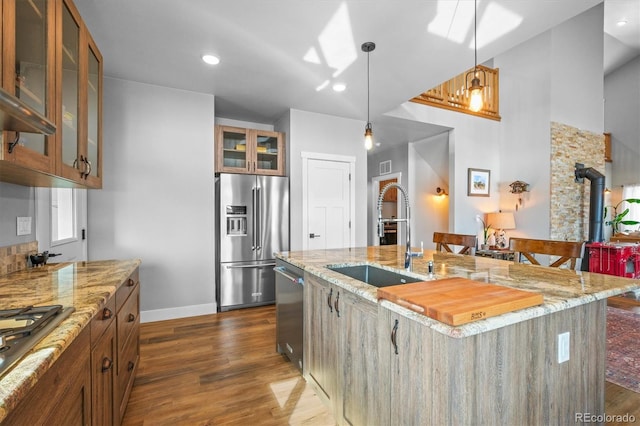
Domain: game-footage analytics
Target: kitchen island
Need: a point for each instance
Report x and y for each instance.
(95, 290)
(376, 362)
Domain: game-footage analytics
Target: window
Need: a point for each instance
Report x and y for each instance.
(630, 191)
(63, 217)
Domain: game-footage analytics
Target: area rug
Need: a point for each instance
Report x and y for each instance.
(623, 348)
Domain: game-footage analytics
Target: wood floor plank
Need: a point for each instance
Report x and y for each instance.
(219, 370)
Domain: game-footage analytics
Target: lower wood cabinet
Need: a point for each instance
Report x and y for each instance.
(322, 345)
(91, 382)
(63, 395)
(360, 364)
(103, 374)
(375, 366)
(128, 326)
(340, 353)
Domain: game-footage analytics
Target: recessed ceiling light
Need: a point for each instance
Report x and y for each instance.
(339, 87)
(210, 59)
(621, 23)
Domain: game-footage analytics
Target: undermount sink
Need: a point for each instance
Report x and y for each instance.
(374, 276)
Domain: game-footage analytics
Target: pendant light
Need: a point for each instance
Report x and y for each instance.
(368, 47)
(475, 90)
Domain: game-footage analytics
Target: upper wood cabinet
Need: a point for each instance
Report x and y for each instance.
(249, 151)
(28, 72)
(79, 100)
(51, 63)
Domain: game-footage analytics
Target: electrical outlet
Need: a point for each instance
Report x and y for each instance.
(563, 347)
(23, 225)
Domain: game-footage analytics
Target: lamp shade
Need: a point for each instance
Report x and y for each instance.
(501, 220)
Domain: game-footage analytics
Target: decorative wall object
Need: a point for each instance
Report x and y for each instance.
(479, 182)
(518, 187)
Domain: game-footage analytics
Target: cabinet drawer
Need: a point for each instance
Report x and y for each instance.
(102, 320)
(126, 288)
(128, 318)
(128, 365)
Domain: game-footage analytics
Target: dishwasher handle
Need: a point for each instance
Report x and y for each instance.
(282, 270)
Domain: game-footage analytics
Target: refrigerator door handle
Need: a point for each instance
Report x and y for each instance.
(253, 234)
(258, 213)
(261, 265)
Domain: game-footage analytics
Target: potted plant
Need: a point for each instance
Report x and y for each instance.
(618, 219)
(485, 233)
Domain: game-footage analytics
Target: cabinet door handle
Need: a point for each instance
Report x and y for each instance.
(107, 363)
(394, 336)
(336, 304)
(88, 172)
(329, 300)
(106, 314)
(248, 166)
(130, 366)
(75, 162)
(130, 282)
(132, 318)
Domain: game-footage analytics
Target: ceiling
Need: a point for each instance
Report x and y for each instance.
(276, 55)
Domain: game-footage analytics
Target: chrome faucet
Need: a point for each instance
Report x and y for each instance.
(407, 217)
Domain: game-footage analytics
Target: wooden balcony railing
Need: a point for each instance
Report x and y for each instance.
(453, 95)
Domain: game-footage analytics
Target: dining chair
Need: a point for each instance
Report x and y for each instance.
(568, 251)
(444, 241)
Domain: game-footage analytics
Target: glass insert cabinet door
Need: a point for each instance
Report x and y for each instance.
(29, 69)
(268, 153)
(94, 110)
(70, 88)
(235, 150)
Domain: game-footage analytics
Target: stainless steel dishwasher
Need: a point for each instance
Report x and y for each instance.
(289, 311)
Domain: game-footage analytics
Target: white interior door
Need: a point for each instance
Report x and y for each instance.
(328, 204)
(61, 223)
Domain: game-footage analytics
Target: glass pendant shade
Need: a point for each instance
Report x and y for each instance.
(368, 137)
(475, 103)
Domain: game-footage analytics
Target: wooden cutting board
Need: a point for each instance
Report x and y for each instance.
(457, 301)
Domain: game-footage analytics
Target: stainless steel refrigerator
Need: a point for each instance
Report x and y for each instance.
(252, 224)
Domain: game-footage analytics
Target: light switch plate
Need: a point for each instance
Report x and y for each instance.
(24, 225)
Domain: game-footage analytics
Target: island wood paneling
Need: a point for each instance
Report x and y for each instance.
(505, 376)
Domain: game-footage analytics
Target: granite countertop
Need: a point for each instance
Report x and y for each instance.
(561, 288)
(83, 285)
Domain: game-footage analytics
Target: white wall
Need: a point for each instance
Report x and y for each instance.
(430, 212)
(474, 142)
(551, 77)
(577, 57)
(157, 198)
(16, 200)
(321, 133)
(622, 109)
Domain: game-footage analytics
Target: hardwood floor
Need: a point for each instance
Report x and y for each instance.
(223, 370)
(219, 369)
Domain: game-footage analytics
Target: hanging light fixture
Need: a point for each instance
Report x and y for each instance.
(368, 47)
(475, 90)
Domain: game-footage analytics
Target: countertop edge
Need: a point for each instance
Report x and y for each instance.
(369, 292)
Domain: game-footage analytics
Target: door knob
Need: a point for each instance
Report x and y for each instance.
(312, 235)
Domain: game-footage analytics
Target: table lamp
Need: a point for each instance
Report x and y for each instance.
(501, 221)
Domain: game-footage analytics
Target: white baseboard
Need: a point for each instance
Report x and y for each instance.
(179, 312)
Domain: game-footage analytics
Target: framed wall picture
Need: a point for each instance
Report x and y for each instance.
(479, 183)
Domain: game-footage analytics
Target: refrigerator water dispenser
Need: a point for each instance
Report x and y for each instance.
(236, 220)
